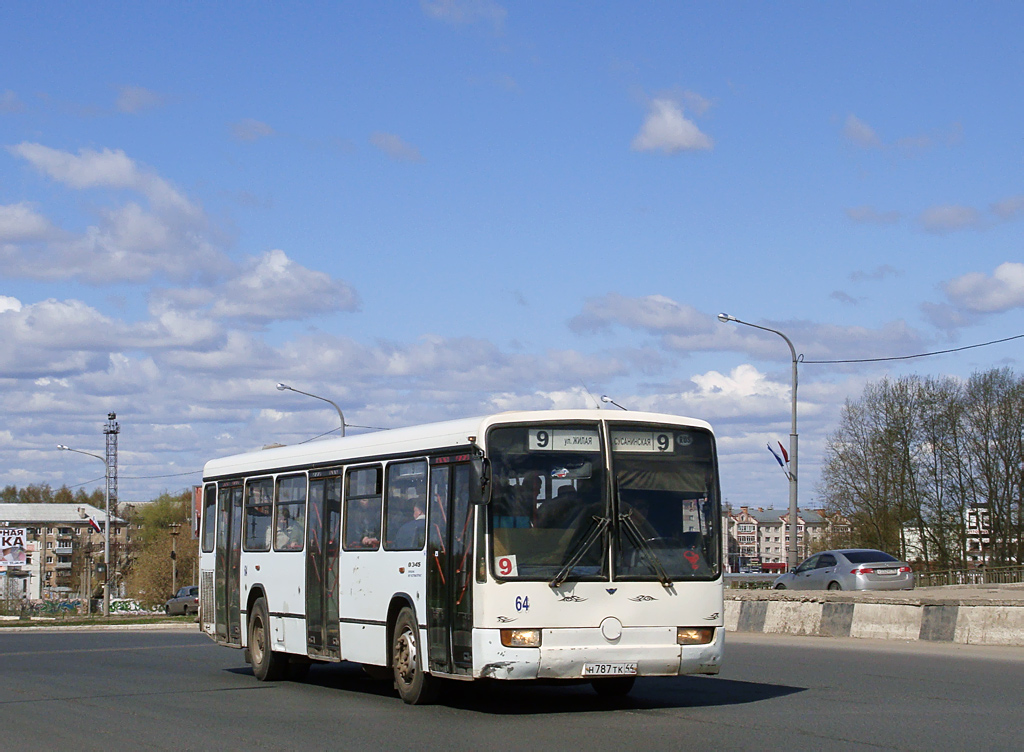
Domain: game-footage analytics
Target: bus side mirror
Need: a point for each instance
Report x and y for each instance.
(480, 481)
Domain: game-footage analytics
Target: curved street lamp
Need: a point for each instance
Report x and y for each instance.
(793, 553)
(106, 524)
(285, 387)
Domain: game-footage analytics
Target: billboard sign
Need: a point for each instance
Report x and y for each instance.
(12, 547)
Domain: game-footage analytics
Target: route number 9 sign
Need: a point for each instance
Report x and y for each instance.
(506, 566)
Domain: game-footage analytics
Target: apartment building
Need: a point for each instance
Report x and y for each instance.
(64, 547)
(761, 536)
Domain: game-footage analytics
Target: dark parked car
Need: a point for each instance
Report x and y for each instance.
(849, 569)
(185, 602)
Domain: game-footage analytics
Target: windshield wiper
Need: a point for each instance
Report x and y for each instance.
(637, 538)
(594, 531)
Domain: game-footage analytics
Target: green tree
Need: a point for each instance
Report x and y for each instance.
(151, 574)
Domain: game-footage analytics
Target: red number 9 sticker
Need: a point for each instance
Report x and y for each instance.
(506, 566)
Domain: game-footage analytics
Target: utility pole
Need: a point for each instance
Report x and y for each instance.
(175, 529)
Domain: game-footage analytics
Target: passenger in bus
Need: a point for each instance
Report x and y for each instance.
(289, 531)
(519, 502)
(560, 511)
(412, 534)
(364, 524)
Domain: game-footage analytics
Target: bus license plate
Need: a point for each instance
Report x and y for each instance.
(609, 669)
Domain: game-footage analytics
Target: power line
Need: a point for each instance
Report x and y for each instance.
(919, 355)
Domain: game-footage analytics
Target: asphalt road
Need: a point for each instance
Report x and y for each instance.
(177, 690)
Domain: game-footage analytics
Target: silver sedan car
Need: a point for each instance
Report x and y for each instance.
(849, 569)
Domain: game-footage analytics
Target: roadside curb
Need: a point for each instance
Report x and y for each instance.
(180, 626)
(973, 621)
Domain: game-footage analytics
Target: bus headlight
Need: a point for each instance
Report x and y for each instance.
(520, 638)
(695, 635)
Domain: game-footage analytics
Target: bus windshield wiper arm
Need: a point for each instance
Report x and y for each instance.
(596, 528)
(634, 534)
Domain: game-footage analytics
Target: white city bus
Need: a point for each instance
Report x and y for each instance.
(563, 544)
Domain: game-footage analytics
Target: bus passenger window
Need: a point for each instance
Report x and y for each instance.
(405, 520)
(363, 509)
(291, 513)
(259, 497)
(209, 517)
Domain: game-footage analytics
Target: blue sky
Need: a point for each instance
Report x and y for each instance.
(437, 209)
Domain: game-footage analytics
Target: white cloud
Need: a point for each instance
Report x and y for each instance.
(870, 216)
(1009, 208)
(128, 243)
(9, 102)
(395, 147)
(251, 130)
(459, 12)
(875, 275)
(943, 219)
(269, 288)
(9, 304)
(20, 222)
(275, 287)
(978, 292)
(133, 99)
(109, 168)
(654, 313)
(666, 129)
(860, 133)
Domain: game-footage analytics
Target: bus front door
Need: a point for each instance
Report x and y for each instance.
(323, 534)
(227, 591)
(449, 570)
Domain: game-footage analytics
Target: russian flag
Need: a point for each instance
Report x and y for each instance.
(95, 525)
(785, 455)
(776, 456)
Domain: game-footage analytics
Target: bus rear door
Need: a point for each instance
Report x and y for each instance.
(323, 535)
(227, 592)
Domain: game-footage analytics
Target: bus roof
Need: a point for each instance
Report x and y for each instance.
(426, 437)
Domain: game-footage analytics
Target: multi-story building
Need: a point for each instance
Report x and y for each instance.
(64, 549)
(761, 536)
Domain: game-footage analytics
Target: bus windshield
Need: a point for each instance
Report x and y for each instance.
(666, 503)
(553, 514)
(549, 494)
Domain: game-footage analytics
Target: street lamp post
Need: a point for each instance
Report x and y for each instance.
(283, 387)
(106, 524)
(793, 554)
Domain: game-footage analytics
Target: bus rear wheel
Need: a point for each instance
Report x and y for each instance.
(414, 686)
(266, 664)
(616, 686)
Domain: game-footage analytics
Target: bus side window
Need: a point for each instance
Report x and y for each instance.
(259, 497)
(363, 508)
(209, 517)
(291, 513)
(406, 506)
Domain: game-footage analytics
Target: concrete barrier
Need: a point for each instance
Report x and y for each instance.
(981, 618)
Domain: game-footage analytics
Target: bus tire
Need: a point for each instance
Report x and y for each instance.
(414, 685)
(266, 664)
(615, 686)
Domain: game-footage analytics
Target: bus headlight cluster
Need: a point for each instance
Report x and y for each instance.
(520, 638)
(694, 635)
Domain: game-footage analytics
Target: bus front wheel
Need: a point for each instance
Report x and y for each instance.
(414, 686)
(266, 664)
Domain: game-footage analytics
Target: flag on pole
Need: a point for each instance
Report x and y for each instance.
(777, 457)
(785, 455)
(95, 525)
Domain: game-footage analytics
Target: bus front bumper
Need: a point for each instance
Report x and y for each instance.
(572, 653)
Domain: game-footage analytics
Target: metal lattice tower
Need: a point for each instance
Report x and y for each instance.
(112, 429)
